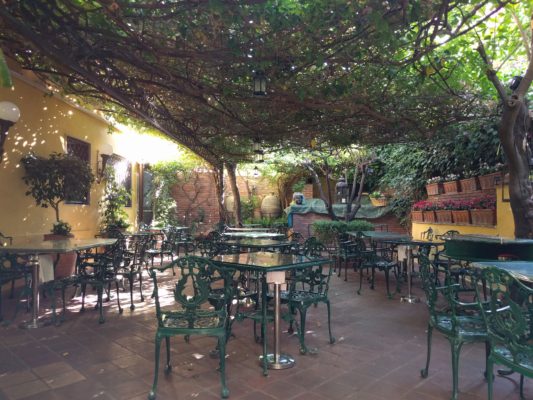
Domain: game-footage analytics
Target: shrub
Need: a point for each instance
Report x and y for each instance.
(484, 202)
(325, 230)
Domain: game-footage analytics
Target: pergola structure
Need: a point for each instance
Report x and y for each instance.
(336, 72)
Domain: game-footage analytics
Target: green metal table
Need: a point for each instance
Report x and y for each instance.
(522, 270)
(485, 247)
(399, 239)
(253, 235)
(258, 244)
(267, 263)
(35, 248)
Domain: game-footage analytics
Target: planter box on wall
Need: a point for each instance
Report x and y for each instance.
(444, 216)
(451, 187)
(434, 189)
(461, 217)
(489, 181)
(429, 216)
(469, 184)
(378, 201)
(483, 217)
(417, 216)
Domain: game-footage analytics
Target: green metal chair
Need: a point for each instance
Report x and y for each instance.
(134, 263)
(12, 267)
(458, 321)
(382, 260)
(509, 320)
(307, 287)
(202, 294)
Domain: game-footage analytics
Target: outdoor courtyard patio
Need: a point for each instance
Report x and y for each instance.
(378, 354)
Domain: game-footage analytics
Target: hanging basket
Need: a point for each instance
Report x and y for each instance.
(490, 181)
(434, 189)
(417, 216)
(429, 216)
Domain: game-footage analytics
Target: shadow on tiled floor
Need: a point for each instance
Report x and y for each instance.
(380, 349)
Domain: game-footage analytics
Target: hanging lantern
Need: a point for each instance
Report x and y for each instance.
(515, 82)
(342, 190)
(259, 83)
(256, 172)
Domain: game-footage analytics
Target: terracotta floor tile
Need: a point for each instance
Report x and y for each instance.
(379, 351)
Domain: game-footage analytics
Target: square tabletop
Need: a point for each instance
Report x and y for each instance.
(267, 261)
(55, 246)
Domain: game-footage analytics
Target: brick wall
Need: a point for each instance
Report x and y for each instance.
(302, 223)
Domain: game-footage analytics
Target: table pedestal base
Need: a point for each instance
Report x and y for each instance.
(409, 299)
(284, 361)
(38, 323)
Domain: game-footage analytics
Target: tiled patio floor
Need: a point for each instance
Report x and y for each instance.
(380, 349)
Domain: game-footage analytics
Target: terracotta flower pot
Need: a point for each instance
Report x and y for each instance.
(429, 216)
(444, 216)
(378, 201)
(484, 217)
(434, 189)
(451, 187)
(489, 181)
(417, 216)
(461, 217)
(469, 184)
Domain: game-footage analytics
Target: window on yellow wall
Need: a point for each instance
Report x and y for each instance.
(82, 150)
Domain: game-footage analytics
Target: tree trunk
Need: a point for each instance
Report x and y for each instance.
(351, 211)
(513, 132)
(218, 176)
(327, 200)
(230, 167)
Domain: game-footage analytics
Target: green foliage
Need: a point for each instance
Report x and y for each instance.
(248, 206)
(165, 175)
(298, 186)
(5, 76)
(55, 179)
(112, 204)
(324, 230)
(61, 228)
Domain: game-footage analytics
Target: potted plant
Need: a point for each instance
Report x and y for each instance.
(427, 208)
(417, 211)
(443, 212)
(112, 205)
(50, 182)
(469, 183)
(483, 211)
(434, 186)
(461, 211)
(378, 199)
(451, 183)
(489, 175)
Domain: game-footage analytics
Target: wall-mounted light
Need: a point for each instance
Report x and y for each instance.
(105, 152)
(9, 114)
(260, 83)
(256, 172)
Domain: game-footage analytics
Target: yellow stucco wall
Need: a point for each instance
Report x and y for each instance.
(44, 124)
(504, 221)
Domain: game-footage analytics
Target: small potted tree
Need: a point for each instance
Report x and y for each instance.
(50, 182)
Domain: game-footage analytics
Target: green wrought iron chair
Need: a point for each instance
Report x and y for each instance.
(134, 262)
(382, 260)
(460, 322)
(509, 320)
(202, 294)
(12, 267)
(307, 287)
(100, 272)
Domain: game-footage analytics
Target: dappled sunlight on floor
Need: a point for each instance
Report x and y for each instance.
(378, 354)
